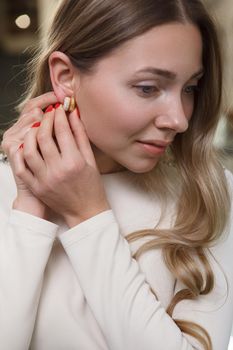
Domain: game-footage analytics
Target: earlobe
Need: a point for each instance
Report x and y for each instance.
(62, 75)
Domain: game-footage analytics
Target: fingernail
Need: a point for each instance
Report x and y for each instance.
(21, 146)
(35, 125)
(49, 109)
(57, 105)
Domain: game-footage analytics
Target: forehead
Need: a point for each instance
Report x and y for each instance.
(176, 47)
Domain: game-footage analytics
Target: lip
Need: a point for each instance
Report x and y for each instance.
(154, 149)
(159, 143)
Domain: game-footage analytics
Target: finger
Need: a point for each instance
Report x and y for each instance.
(45, 139)
(31, 113)
(81, 137)
(31, 153)
(22, 126)
(41, 102)
(64, 136)
(30, 117)
(19, 128)
(16, 134)
(20, 168)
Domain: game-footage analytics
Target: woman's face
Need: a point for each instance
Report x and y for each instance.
(143, 91)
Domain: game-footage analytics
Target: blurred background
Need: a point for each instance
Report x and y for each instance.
(23, 22)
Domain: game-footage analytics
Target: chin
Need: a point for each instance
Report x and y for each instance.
(140, 168)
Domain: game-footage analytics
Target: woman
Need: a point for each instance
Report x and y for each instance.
(115, 214)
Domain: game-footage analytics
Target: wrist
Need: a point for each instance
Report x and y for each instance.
(74, 220)
(30, 206)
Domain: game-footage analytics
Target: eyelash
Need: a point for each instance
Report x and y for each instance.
(154, 89)
(194, 89)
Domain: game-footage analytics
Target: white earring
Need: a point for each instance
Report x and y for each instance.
(69, 104)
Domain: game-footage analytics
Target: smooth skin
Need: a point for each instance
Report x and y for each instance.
(118, 106)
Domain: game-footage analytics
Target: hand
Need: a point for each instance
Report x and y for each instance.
(13, 138)
(61, 169)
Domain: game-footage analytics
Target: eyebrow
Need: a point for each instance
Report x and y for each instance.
(167, 74)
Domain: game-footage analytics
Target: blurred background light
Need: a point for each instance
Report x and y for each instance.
(23, 21)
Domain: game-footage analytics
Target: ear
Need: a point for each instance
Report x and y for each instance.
(63, 75)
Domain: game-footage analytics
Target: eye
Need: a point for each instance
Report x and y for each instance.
(147, 90)
(192, 89)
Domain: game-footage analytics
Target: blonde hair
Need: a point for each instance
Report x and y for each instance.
(87, 30)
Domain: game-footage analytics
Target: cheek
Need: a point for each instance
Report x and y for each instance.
(110, 112)
(189, 107)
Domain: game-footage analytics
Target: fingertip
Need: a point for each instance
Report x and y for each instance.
(57, 105)
(49, 109)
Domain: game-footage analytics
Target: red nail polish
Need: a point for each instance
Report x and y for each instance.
(36, 125)
(57, 105)
(49, 109)
(21, 146)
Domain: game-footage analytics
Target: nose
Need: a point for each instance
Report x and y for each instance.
(172, 116)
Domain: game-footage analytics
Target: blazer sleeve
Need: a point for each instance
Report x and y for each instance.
(25, 245)
(128, 313)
